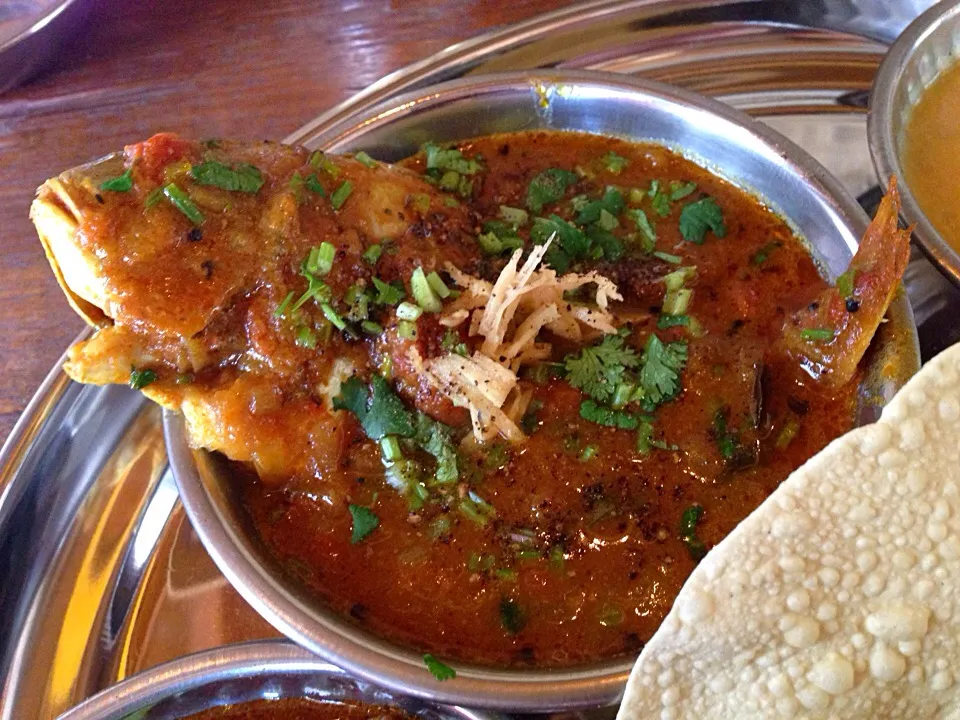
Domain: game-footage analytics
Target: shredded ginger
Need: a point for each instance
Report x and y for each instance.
(509, 314)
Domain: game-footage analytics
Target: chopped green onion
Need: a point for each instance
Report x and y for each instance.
(679, 190)
(139, 379)
(845, 283)
(390, 447)
(408, 311)
(121, 183)
(365, 159)
(588, 452)
(387, 294)
(817, 334)
(667, 257)
(688, 532)
(306, 338)
(324, 260)
(668, 321)
(438, 286)
(331, 315)
(371, 328)
(406, 329)
(514, 216)
(677, 302)
(372, 254)
(155, 196)
(607, 221)
(787, 433)
(282, 307)
(341, 194)
(319, 161)
(182, 202)
(678, 278)
(423, 293)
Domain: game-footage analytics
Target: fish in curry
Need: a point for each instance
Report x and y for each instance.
(494, 402)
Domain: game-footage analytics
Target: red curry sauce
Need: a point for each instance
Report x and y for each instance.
(585, 554)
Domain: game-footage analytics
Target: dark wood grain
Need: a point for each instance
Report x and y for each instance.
(242, 68)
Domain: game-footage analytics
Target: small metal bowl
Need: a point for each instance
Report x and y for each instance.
(729, 143)
(930, 44)
(267, 670)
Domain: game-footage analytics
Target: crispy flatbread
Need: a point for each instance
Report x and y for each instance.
(839, 597)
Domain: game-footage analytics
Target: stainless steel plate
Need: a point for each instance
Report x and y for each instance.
(745, 152)
(101, 582)
(242, 673)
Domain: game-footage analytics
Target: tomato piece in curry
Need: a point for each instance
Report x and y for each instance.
(571, 546)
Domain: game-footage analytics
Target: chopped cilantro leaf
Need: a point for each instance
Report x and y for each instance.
(609, 244)
(608, 221)
(589, 410)
(388, 293)
(121, 183)
(435, 438)
(614, 163)
(688, 532)
(155, 196)
(312, 183)
(761, 255)
(364, 522)
(441, 158)
(242, 178)
(698, 217)
(599, 369)
(512, 616)
(568, 238)
(498, 236)
(380, 412)
(139, 379)
(548, 187)
(372, 254)
(590, 212)
(660, 372)
(647, 234)
(659, 200)
(451, 342)
(440, 671)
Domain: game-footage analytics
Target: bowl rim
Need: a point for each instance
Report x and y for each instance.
(883, 144)
(536, 690)
(253, 658)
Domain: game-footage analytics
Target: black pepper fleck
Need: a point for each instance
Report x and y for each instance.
(99, 198)
(195, 234)
(207, 266)
(853, 305)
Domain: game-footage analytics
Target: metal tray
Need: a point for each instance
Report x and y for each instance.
(102, 575)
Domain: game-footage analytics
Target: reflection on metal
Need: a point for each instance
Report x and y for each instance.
(54, 468)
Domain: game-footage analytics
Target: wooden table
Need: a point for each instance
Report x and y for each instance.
(240, 68)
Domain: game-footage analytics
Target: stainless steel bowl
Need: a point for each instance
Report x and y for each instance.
(930, 44)
(729, 143)
(239, 673)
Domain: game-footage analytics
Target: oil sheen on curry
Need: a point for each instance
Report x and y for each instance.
(495, 403)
